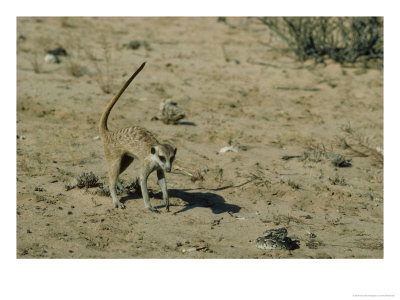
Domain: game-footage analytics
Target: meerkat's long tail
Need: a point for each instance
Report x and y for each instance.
(103, 121)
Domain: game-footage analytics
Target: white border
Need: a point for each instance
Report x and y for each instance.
(199, 279)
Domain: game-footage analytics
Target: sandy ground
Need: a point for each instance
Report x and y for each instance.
(238, 85)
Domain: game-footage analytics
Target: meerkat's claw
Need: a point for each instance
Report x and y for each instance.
(167, 208)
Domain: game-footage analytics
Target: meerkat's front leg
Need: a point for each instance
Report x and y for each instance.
(163, 185)
(144, 174)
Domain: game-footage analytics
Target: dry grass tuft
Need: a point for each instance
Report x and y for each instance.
(104, 77)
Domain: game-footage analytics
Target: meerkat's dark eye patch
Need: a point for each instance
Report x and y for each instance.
(162, 158)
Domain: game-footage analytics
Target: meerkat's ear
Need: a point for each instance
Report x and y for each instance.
(153, 150)
(175, 150)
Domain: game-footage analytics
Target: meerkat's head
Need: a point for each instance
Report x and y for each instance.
(164, 156)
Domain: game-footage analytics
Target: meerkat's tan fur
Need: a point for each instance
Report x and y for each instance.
(125, 145)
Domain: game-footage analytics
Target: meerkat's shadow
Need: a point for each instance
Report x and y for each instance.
(200, 199)
(133, 196)
(193, 199)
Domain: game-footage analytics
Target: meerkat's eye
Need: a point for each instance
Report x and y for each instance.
(162, 158)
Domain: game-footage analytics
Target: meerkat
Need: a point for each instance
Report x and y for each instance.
(125, 145)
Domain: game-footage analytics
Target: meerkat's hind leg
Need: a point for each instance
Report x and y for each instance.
(163, 185)
(126, 160)
(113, 173)
(113, 192)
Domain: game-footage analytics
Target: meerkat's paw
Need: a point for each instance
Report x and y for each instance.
(155, 210)
(167, 208)
(120, 205)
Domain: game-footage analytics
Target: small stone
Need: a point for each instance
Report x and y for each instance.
(51, 59)
(189, 250)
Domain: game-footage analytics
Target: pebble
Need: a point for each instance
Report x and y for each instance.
(228, 148)
(189, 250)
(51, 59)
